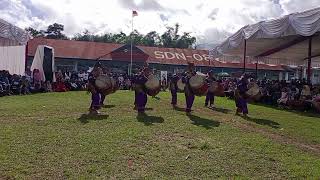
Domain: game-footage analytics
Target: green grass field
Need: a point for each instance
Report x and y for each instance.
(50, 136)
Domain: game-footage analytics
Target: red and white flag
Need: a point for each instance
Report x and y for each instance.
(134, 13)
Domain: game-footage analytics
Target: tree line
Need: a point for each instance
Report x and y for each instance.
(171, 38)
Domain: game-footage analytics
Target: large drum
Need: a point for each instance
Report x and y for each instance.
(103, 82)
(181, 85)
(115, 85)
(198, 85)
(152, 86)
(106, 84)
(216, 88)
(253, 93)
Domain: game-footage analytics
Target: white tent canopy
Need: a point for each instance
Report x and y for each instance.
(11, 35)
(12, 58)
(285, 39)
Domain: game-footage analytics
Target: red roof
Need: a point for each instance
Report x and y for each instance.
(93, 50)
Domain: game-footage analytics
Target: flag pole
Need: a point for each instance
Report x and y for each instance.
(131, 44)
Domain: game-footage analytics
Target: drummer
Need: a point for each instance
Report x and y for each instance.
(174, 89)
(240, 99)
(134, 87)
(210, 95)
(188, 91)
(141, 97)
(95, 94)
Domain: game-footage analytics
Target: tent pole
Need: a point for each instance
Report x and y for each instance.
(244, 55)
(257, 69)
(26, 58)
(309, 60)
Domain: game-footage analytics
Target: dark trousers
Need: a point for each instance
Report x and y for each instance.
(242, 106)
(103, 97)
(189, 102)
(174, 97)
(95, 101)
(135, 98)
(209, 99)
(141, 101)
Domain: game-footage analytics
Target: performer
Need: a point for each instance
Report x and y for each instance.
(141, 95)
(210, 95)
(174, 89)
(188, 91)
(95, 94)
(134, 87)
(240, 96)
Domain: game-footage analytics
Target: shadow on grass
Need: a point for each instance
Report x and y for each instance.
(108, 106)
(206, 123)
(155, 97)
(149, 120)
(179, 109)
(148, 109)
(85, 118)
(264, 122)
(222, 110)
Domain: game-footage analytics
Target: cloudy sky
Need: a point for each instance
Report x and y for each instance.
(209, 20)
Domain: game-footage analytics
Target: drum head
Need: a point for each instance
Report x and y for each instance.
(254, 90)
(180, 85)
(152, 83)
(196, 81)
(103, 82)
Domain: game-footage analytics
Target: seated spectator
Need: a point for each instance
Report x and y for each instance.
(49, 86)
(305, 93)
(16, 85)
(36, 80)
(284, 97)
(25, 86)
(1, 90)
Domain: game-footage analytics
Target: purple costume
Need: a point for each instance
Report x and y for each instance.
(140, 94)
(241, 101)
(96, 96)
(188, 91)
(103, 97)
(174, 89)
(210, 95)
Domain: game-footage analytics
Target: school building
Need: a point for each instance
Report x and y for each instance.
(81, 55)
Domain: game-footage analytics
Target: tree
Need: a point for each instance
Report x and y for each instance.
(185, 41)
(137, 38)
(120, 38)
(171, 38)
(151, 39)
(35, 33)
(85, 36)
(54, 31)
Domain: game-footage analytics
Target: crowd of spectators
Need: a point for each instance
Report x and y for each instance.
(30, 82)
(294, 94)
(272, 92)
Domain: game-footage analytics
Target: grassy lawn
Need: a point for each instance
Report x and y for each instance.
(50, 136)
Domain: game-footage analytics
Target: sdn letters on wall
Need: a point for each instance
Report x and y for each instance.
(181, 56)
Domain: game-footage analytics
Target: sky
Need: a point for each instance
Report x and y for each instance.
(211, 21)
